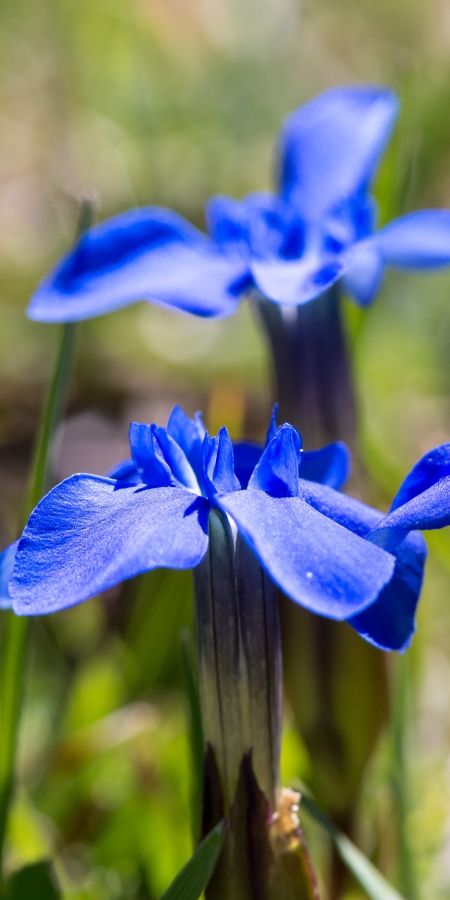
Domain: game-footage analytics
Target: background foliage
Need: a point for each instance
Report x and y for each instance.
(167, 102)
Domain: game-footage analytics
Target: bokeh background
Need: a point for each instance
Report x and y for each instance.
(167, 102)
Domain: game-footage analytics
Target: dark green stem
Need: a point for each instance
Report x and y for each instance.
(11, 686)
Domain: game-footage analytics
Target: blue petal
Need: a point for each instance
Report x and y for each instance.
(246, 456)
(148, 457)
(124, 471)
(7, 558)
(331, 465)
(430, 469)
(313, 560)
(146, 254)
(364, 276)
(272, 429)
(419, 240)
(344, 510)
(277, 470)
(297, 281)
(189, 435)
(330, 147)
(218, 465)
(390, 622)
(86, 536)
(176, 459)
(428, 510)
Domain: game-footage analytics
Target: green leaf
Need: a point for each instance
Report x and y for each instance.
(370, 879)
(33, 882)
(190, 883)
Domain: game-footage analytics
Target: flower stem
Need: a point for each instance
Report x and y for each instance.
(12, 676)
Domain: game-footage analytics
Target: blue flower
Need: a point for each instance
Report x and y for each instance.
(290, 246)
(90, 533)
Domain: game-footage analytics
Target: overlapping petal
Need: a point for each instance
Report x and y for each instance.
(218, 465)
(331, 465)
(433, 466)
(365, 273)
(427, 510)
(146, 254)
(276, 473)
(329, 148)
(390, 622)
(89, 533)
(315, 561)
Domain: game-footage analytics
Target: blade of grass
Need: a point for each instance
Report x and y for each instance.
(11, 684)
(365, 873)
(190, 883)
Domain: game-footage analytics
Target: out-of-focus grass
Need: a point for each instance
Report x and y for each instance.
(166, 102)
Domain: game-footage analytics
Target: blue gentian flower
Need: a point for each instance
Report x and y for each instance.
(290, 246)
(90, 532)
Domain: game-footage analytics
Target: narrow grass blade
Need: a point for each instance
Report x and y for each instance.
(370, 879)
(12, 670)
(190, 883)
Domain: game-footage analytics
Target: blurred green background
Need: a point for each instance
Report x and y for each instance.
(167, 102)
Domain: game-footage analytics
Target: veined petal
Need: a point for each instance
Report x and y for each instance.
(425, 511)
(331, 465)
(277, 470)
(218, 465)
(433, 466)
(390, 622)
(89, 533)
(7, 558)
(364, 276)
(313, 560)
(146, 254)
(419, 240)
(330, 147)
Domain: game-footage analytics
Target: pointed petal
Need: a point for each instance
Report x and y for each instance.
(430, 469)
(313, 560)
(148, 457)
(426, 511)
(331, 465)
(218, 465)
(390, 622)
(90, 533)
(277, 470)
(146, 254)
(365, 273)
(330, 147)
(419, 240)
(176, 459)
(272, 429)
(7, 558)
